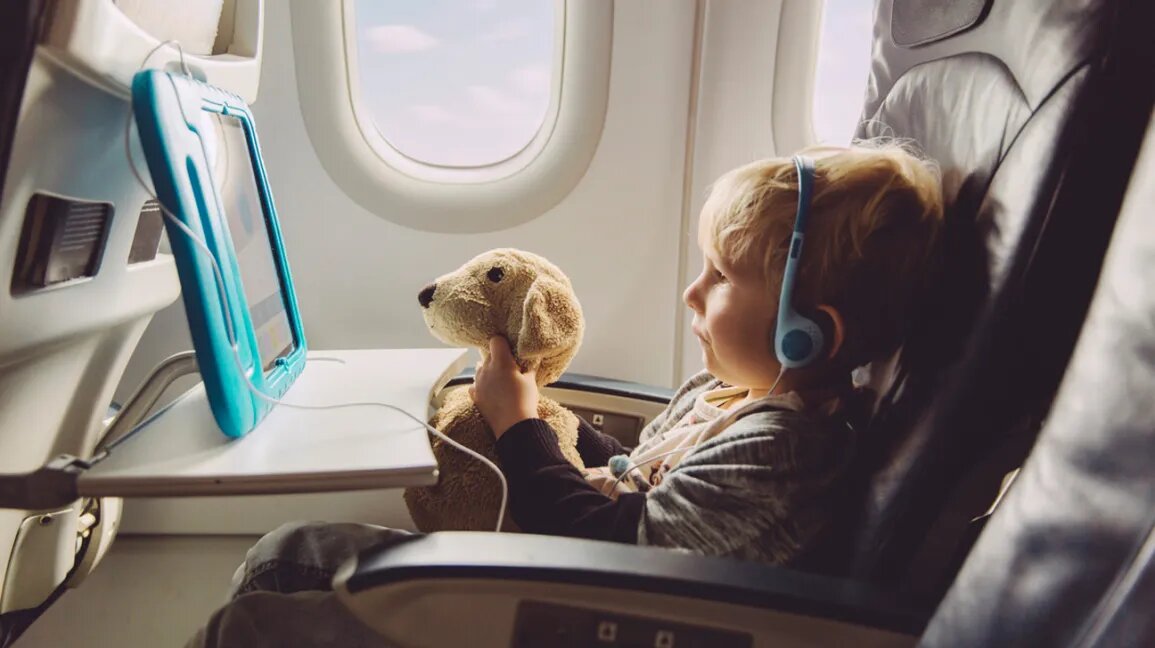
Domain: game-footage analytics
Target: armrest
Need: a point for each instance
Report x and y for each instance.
(619, 408)
(594, 384)
(522, 590)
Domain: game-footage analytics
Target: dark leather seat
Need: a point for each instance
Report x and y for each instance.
(1069, 557)
(1031, 109)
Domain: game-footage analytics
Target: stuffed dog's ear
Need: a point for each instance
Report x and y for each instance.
(551, 321)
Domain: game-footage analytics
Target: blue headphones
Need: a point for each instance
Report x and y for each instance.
(798, 340)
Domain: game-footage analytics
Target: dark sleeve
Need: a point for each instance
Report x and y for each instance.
(594, 447)
(548, 495)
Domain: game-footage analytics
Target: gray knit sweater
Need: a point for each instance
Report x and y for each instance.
(762, 489)
(765, 488)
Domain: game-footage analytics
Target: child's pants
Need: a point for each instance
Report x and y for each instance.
(281, 595)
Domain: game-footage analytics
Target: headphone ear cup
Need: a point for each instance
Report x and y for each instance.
(799, 342)
(797, 346)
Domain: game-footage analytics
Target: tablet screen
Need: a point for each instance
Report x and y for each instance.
(233, 175)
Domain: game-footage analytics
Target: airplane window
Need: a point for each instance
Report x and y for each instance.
(842, 70)
(456, 83)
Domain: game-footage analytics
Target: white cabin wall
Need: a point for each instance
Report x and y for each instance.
(697, 87)
(752, 101)
(618, 234)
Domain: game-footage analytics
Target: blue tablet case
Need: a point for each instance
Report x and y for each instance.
(206, 166)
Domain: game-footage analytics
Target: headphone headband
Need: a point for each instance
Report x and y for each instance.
(798, 340)
(804, 167)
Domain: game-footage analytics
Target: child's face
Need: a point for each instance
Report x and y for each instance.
(734, 319)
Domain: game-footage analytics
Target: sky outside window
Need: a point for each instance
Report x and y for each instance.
(465, 83)
(456, 82)
(842, 69)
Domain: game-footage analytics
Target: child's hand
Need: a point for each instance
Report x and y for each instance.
(502, 391)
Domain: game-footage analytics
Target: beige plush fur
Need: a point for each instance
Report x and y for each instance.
(526, 299)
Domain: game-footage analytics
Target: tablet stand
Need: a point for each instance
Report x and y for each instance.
(141, 402)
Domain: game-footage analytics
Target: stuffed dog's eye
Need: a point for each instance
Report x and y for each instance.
(495, 274)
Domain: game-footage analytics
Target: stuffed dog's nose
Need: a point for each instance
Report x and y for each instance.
(425, 297)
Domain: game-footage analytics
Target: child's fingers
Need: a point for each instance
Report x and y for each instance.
(499, 353)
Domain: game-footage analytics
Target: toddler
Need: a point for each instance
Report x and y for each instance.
(748, 458)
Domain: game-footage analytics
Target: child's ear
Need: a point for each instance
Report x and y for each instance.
(833, 328)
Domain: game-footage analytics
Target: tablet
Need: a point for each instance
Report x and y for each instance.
(202, 152)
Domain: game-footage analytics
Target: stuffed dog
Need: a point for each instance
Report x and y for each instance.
(528, 301)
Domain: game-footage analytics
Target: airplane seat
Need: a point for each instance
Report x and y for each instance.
(1035, 112)
(1028, 109)
(1068, 557)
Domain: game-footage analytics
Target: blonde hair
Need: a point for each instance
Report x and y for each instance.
(875, 216)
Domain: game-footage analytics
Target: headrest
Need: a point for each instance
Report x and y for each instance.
(1077, 525)
(1005, 105)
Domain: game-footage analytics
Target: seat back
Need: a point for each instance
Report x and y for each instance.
(1069, 556)
(80, 279)
(1027, 109)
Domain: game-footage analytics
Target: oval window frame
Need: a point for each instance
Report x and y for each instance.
(435, 198)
